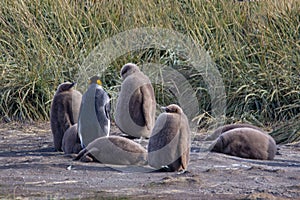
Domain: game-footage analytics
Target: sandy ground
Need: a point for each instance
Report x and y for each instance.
(30, 169)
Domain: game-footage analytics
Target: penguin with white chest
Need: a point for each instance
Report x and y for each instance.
(94, 116)
(64, 111)
(169, 144)
(136, 105)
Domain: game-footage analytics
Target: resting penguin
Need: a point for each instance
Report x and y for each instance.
(246, 143)
(228, 127)
(169, 144)
(114, 150)
(71, 141)
(94, 116)
(64, 111)
(136, 105)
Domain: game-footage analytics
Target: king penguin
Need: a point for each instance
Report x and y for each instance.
(136, 105)
(94, 116)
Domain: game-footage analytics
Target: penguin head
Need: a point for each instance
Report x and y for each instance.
(95, 80)
(172, 108)
(129, 69)
(65, 86)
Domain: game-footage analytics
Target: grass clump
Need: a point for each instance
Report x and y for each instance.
(288, 132)
(255, 46)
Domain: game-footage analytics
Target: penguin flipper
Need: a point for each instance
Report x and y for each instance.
(80, 154)
(148, 105)
(102, 109)
(107, 110)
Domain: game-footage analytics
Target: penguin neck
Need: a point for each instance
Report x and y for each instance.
(94, 85)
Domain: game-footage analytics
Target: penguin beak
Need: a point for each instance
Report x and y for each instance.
(163, 108)
(73, 84)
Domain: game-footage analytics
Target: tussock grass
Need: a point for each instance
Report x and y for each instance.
(254, 44)
(289, 132)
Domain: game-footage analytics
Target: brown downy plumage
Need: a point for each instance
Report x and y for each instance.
(228, 127)
(114, 150)
(136, 105)
(64, 111)
(246, 143)
(71, 142)
(169, 144)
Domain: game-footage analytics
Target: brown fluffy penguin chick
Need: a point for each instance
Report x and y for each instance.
(136, 105)
(71, 142)
(114, 150)
(228, 127)
(246, 143)
(64, 111)
(169, 144)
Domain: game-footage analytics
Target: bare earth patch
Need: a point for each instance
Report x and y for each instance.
(29, 168)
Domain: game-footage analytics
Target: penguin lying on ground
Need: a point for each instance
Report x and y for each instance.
(228, 127)
(246, 143)
(114, 150)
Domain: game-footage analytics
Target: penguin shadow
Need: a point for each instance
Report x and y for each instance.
(96, 167)
(280, 162)
(31, 159)
(45, 152)
(32, 164)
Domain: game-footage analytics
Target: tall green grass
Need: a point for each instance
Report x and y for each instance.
(254, 44)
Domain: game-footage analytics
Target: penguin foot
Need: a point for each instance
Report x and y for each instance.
(182, 171)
